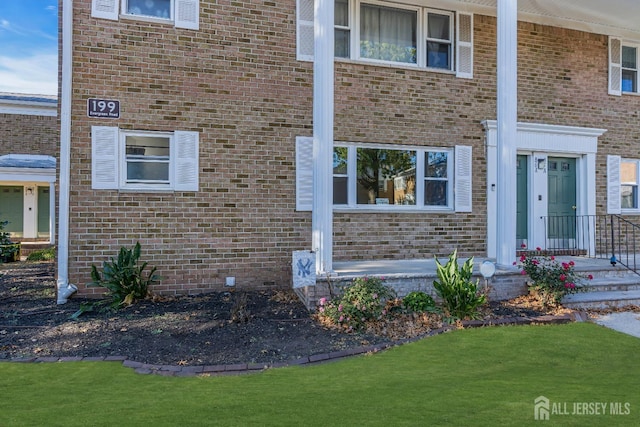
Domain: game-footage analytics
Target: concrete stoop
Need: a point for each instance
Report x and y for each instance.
(607, 291)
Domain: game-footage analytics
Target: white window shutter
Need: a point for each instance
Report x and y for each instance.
(305, 35)
(464, 45)
(105, 9)
(104, 157)
(614, 202)
(186, 165)
(304, 173)
(463, 178)
(187, 14)
(615, 66)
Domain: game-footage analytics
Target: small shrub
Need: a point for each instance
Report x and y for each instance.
(125, 278)
(460, 295)
(42, 255)
(550, 279)
(9, 251)
(362, 301)
(419, 302)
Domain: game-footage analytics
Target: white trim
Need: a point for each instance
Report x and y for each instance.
(539, 141)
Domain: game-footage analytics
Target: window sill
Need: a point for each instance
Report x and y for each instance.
(146, 19)
(391, 209)
(393, 66)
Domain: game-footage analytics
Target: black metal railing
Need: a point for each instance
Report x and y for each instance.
(596, 236)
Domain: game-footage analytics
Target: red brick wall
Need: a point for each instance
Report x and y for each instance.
(237, 82)
(25, 134)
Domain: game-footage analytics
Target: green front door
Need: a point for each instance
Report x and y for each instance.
(562, 198)
(522, 222)
(12, 208)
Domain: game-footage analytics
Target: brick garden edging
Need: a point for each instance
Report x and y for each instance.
(242, 368)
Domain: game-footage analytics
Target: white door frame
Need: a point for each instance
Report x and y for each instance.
(541, 141)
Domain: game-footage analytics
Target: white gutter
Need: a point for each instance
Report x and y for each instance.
(65, 289)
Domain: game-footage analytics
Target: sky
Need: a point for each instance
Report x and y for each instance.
(29, 46)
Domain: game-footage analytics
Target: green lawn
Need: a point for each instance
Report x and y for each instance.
(483, 377)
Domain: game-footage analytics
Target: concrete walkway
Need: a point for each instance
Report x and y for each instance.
(626, 321)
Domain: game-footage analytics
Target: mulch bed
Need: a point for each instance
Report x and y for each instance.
(219, 328)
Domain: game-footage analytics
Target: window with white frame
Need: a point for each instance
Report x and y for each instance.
(385, 32)
(153, 8)
(629, 184)
(380, 176)
(629, 69)
(182, 13)
(142, 160)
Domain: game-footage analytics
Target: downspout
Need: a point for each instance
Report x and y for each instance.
(65, 289)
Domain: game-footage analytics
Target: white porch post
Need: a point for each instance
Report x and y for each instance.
(507, 74)
(322, 216)
(52, 213)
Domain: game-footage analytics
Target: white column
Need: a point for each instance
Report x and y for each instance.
(30, 215)
(322, 217)
(507, 101)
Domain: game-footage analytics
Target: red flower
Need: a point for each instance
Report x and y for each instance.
(523, 272)
(571, 263)
(552, 258)
(590, 277)
(538, 249)
(523, 246)
(562, 277)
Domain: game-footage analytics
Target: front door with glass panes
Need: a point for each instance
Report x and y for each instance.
(561, 225)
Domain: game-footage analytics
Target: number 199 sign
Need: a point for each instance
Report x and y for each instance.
(107, 108)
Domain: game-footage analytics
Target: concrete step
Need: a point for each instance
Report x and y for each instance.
(629, 282)
(602, 299)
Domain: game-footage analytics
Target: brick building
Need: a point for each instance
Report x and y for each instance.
(28, 146)
(200, 141)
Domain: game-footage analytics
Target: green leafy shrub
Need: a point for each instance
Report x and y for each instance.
(460, 295)
(9, 251)
(362, 301)
(419, 302)
(125, 278)
(550, 279)
(42, 255)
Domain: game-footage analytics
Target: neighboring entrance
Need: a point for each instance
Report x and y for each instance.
(561, 226)
(522, 202)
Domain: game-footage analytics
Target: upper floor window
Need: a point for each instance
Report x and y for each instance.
(154, 8)
(629, 69)
(182, 13)
(377, 31)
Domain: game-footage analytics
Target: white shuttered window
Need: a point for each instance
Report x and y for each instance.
(183, 13)
(141, 160)
(388, 177)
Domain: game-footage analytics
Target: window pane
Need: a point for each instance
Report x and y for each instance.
(629, 79)
(439, 55)
(629, 172)
(340, 190)
(342, 43)
(155, 8)
(339, 160)
(387, 33)
(147, 158)
(341, 13)
(386, 176)
(629, 194)
(438, 27)
(435, 193)
(147, 171)
(152, 146)
(436, 165)
(629, 57)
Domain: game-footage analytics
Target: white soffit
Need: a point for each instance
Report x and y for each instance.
(614, 17)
